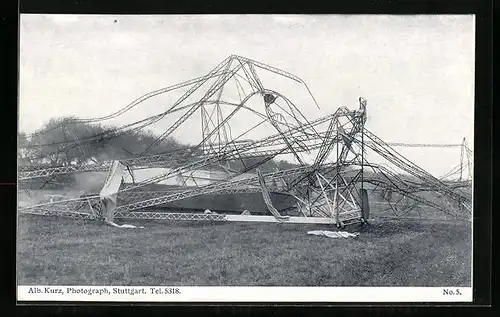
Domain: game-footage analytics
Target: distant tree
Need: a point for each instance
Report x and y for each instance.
(136, 143)
(283, 165)
(64, 141)
(25, 153)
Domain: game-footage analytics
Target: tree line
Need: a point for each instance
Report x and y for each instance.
(64, 141)
(67, 141)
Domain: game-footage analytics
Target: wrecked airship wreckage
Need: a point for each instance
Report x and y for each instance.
(328, 184)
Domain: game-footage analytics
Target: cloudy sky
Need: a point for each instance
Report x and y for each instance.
(417, 72)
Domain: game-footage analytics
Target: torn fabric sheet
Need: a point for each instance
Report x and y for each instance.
(333, 234)
(110, 189)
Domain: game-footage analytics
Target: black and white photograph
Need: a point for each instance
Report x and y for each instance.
(162, 154)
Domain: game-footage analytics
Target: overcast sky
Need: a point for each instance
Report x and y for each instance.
(417, 72)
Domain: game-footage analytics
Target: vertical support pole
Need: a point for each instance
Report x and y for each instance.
(219, 119)
(362, 106)
(336, 201)
(63, 128)
(202, 109)
(462, 148)
(462, 158)
(362, 163)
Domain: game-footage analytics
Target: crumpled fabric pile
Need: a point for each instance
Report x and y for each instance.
(123, 226)
(333, 234)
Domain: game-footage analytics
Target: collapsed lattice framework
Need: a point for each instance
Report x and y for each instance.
(329, 189)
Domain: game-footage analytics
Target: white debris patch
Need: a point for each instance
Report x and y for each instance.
(333, 234)
(122, 226)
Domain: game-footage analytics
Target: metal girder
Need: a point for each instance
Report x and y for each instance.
(267, 67)
(184, 156)
(220, 83)
(345, 217)
(63, 170)
(168, 216)
(383, 149)
(60, 213)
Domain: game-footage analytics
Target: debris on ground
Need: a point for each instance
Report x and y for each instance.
(333, 234)
(123, 226)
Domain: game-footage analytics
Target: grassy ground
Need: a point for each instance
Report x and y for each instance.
(386, 253)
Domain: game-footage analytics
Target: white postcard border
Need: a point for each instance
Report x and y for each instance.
(243, 294)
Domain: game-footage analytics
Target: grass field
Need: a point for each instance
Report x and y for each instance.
(386, 253)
